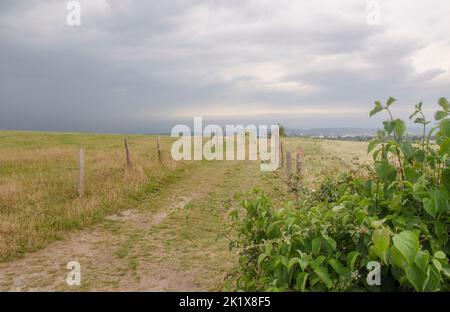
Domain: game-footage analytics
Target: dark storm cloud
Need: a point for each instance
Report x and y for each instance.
(142, 66)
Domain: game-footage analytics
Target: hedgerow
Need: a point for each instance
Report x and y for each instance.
(397, 214)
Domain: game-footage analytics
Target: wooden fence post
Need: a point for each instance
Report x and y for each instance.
(127, 151)
(281, 155)
(299, 161)
(299, 167)
(81, 167)
(158, 148)
(288, 164)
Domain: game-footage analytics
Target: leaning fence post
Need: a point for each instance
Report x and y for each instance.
(127, 151)
(158, 148)
(288, 165)
(81, 167)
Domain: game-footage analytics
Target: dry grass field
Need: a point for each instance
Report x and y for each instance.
(39, 183)
(324, 158)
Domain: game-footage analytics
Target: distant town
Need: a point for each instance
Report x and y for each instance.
(346, 134)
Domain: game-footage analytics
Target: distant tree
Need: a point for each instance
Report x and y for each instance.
(282, 130)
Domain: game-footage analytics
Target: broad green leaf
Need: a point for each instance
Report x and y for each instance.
(419, 120)
(422, 261)
(388, 126)
(276, 263)
(316, 244)
(444, 146)
(416, 277)
(268, 248)
(302, 277)
(330, 241)
(377, 223)
(317, 261)
(385, 171)
(378, 108)
(440, 229)
(440, 255)
(446, 272)
(396, 202)
(437, 203)
(393, 143)
(372, 144)
(419, 189)
(375, 154)
(444, 125)
(440, 115)
(271, 227)
(437, 264)
(419, 155)
(396, 258)
(368, 188)
(322, 273)
(303, 264)
(434, 279)
(407, 244)
(314, 280)
(444, 104)
(381, 241)
(407, 149)
(284, 261)
(261, 258)
(446, 178)
(430, 206)
(390, 101)
(292, 262)
(399, 127)
(441, 198)
(411, 173)
(351, 259)
(337, 266)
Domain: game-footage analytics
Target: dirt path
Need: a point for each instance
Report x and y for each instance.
(171, 241)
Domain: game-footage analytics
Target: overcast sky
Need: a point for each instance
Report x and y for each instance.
(143, 66)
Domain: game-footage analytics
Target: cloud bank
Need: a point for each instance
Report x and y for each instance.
(135, 66)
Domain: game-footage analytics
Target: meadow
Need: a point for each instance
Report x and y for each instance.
(40, 204)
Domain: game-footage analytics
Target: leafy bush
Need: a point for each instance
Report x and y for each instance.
(397, 215)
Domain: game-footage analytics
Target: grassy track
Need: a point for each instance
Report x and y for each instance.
(171, 241)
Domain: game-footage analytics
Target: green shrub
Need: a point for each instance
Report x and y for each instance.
(397, 215)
